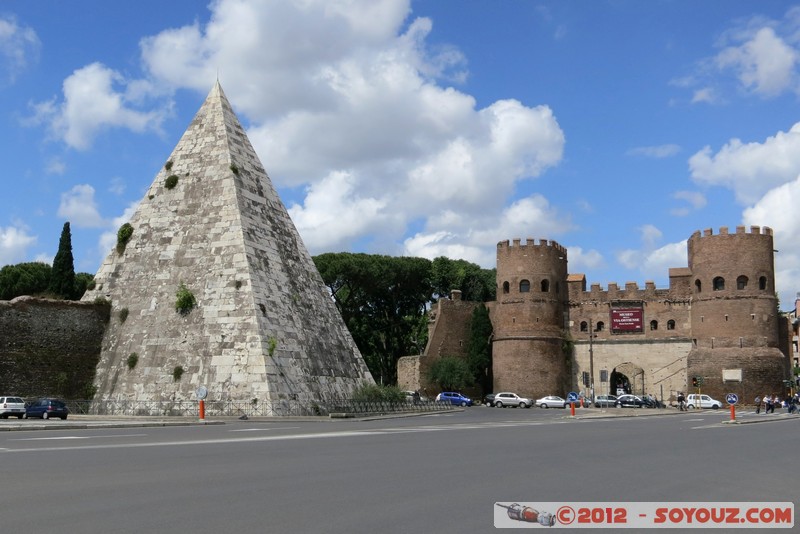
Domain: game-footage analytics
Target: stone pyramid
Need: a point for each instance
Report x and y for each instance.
(264, 327)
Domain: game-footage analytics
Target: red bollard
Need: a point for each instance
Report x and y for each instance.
(572, 407)
(733, 412)
(202, 410)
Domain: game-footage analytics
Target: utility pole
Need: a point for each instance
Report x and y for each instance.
(591, 360)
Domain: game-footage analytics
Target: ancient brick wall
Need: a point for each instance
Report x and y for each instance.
(49, 347)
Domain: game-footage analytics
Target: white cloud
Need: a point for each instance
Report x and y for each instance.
(55, 166)
(764, 64)
(584, 260)
(696, 199)
(79, 207)
(778, 210)
(359, 118)
(658, 151)
(14, 243)
(334, 215)
(750, 169)
(19, 46)
(92, 103)
(652, 258)
(108, 239)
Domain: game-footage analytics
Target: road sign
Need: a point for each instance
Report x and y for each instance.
(732, 398)
(572, 397)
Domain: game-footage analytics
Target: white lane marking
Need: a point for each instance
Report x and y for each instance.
(219, 441)
(261, 429)
(55, 438)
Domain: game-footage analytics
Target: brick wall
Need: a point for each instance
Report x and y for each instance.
(49, 347)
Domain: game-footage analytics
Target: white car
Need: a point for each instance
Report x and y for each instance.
(702, 401)
(551, 401)
(511, 399)
(12, 406)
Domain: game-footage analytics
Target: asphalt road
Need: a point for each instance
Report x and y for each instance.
(435, 473)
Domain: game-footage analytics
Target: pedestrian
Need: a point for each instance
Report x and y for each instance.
(681, 401)
(770, 404)
(757, 402)
(792, 405)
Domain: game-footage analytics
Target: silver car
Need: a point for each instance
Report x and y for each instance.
(511, 399)
(605, 401)
(13, 406)
(551, 401)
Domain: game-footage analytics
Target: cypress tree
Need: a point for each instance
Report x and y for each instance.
(62, 278)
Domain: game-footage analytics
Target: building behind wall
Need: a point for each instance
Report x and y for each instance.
(718, 322)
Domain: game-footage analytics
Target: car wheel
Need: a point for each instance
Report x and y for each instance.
(4, 416)
(716, 407)
(521, 404)
(64, 418)
(545, 406)
(499, 404)
(463, 404)
(45, 415)
(20, 416)
(25, 416)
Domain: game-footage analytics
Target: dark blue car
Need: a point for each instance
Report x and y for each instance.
(46, 408)
(454, 398)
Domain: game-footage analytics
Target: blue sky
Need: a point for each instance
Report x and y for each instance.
(424, 128)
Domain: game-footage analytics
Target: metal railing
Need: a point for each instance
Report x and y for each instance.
(276, 408)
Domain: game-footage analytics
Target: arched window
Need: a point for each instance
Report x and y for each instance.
(670, 325)
(698, 286)
(584, 326)
(545, 286)
(741, 282)
(719, 283)
(762, 283)
(505, 287)
(524, 286)
(600, 326)
(653, 325)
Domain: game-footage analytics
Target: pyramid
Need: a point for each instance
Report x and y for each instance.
(263, 327)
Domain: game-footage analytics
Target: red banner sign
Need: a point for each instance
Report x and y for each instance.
(627, 319)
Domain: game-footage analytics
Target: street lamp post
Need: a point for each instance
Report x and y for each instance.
(591, 360)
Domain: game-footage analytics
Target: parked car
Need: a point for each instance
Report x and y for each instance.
(12, 406)
(629, 401)
(701, 401)
(511, 399)
(605, 401)
(551, 401)
(488, 400)
(453, 398)
(46, 409)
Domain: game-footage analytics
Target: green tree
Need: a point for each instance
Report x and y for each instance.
(62, 278)
(82, 281)
(383, 302)
(450, 373)
(479, 349)
(24, 279)
(476, 284)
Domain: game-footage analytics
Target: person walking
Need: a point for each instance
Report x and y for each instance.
(757, 402)
(681, 401)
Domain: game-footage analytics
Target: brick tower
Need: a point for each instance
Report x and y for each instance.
(734, 312)
(264, 326)
(529, 318)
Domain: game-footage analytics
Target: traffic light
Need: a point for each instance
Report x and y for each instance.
(694, 381)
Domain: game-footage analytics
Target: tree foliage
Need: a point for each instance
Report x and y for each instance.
(450, 373)
(24, 279)
(476, 284)
(383, 301)
(479, 350)
(62, 277)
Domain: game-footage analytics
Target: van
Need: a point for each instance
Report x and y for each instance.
(702, 401)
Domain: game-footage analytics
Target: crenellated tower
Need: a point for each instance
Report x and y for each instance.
(734, 313)
(530, 317)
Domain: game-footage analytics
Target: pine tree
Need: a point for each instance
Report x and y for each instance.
(62, 278)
